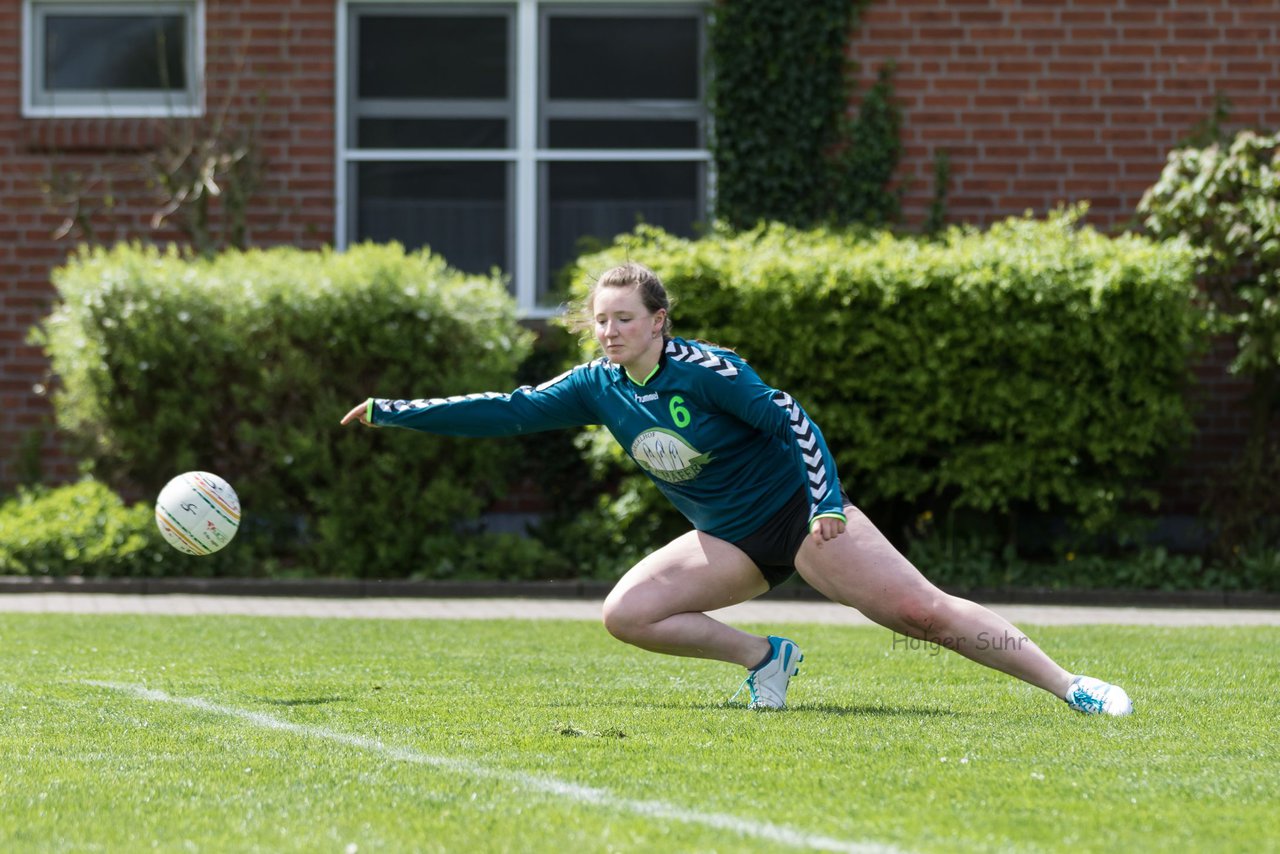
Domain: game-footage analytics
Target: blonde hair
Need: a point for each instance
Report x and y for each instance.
(653, 296)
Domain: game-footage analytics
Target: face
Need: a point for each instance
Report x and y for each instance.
(626, 329)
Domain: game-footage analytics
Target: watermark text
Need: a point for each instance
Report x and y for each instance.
(980, 642)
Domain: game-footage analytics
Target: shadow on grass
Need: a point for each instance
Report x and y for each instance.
(875, 711)
(301, 701)
(832, 709)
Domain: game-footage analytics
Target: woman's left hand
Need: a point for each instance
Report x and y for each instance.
(826, 528)
(357, 413)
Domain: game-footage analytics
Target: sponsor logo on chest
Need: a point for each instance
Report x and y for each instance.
(646, 398)
(667, 456)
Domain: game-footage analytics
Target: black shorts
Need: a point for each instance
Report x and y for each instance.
(774, 545)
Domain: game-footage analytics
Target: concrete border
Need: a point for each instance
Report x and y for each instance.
(343, 588)
(757, 612)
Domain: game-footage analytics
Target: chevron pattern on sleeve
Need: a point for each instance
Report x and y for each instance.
(809, 449)
(698, 356)
(597, 363)
(423, 403)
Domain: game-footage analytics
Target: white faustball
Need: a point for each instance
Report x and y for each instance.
(198, 513)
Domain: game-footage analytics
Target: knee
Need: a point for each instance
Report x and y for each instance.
(925, 613)
(622, 618)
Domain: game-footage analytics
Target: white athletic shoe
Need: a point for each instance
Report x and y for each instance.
(768, 682)
(1095, 697)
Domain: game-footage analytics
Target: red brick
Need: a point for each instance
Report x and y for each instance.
(992, 33)
(1063, 82)
(1043, 36)
(997, 101)
(1096, 168)
(1266, 70)
(1004, 50)
(1243, 36)
(953, 84)
(1115, 68)
(943, 134)
(1086, 187)
(963, 206)
(1085, 35)
(1079, 51)
(1186, 16)
(1268, 18)
(985, 186)
(1184, 51)
(931, 16)
(1007, 83)
(1033, 16)
(1131, 49)
(1059, 101)
(1140, 34)
(878, 15)
(940, 34)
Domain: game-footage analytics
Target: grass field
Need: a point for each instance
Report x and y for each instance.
(122, 733)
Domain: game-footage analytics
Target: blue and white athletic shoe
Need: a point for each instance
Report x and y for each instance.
(1095, 697)
(768, 682)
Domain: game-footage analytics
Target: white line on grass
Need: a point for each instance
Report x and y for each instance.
(532, 782)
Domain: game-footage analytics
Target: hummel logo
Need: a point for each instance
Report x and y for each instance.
(645, 398)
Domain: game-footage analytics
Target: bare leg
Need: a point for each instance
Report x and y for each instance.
(862, 569)
(658, 605)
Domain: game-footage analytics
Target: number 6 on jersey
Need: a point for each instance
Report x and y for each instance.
(679, 415)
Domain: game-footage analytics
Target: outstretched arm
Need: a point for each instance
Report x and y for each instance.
(561, 402)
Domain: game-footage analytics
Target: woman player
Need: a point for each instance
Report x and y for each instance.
(752, 473)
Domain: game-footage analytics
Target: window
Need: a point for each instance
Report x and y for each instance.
(111, 59)
(502, 135)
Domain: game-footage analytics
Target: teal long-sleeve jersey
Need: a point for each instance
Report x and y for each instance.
(725, 448)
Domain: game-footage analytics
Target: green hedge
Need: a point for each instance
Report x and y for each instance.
(966, 558)
(82, 526)
(85, 529)
(1037, 364)
(1034, 365)
(243, 365)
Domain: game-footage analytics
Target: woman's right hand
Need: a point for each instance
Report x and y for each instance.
(358, 413)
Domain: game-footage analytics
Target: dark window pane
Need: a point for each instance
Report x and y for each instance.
(114, 52)
(621, 58)
(603, 200)
(417, 56)
(458, 209)
(432, 133)
(585, 133)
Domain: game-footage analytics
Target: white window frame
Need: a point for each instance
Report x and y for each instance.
(108, 103)
(527, 157)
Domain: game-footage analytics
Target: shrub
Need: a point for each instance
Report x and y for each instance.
(80, 529)
(243, 364)
(1037, 364)
(1222, 200)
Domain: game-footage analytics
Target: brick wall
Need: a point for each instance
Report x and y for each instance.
(1036, 102)
(270, 61)
(1040, 102)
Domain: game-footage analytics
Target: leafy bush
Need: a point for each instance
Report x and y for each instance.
(1037, 364)
(971, 563)
(243, 364)
(1223, 200)
(496, 557)
(81, 529)
(1255, 567)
